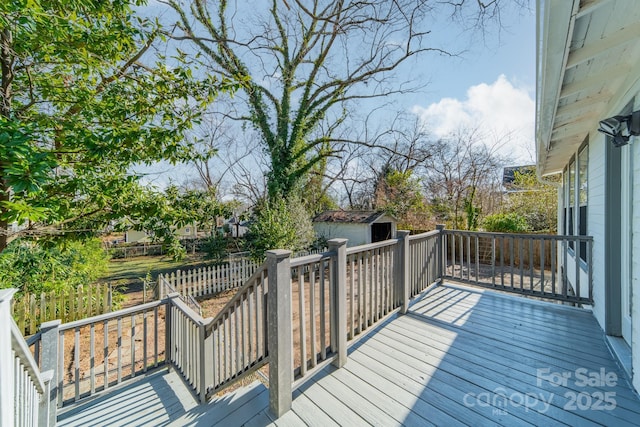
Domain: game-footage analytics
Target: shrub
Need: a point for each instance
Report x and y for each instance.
(280, 224)
(216, 247)
(506, 223)
(33, 266)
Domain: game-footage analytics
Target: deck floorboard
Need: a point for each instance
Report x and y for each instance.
(462, 356)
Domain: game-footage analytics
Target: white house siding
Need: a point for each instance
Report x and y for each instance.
(596, 220)
(635, 263)
(356, 233)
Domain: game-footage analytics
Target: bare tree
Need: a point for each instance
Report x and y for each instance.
(301, 63)
(463, 175)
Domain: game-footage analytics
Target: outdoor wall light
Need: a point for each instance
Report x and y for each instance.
(621, 128)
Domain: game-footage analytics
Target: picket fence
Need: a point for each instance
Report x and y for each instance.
(211, 280)
(30, 309)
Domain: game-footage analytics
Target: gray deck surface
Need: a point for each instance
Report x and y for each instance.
(461, 357)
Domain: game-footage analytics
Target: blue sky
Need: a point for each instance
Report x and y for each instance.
(490, 85)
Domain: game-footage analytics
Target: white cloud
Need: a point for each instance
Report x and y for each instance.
(496, 109)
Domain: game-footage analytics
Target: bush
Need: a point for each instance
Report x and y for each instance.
(505, 223)
(280, 224)
(33, 266)
(216, 247)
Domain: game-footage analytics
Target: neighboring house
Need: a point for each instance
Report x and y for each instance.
(238, 227)
(589, 71)
(134, 236)
(359, 227)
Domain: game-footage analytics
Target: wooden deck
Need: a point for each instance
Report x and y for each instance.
(460, 357)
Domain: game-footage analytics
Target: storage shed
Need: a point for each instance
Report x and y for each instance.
(359, 227)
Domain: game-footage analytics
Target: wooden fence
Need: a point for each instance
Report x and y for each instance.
(209, 280)
(30, 310)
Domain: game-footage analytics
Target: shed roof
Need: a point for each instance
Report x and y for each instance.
(362, 217)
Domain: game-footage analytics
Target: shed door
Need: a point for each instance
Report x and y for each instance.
(380, 231)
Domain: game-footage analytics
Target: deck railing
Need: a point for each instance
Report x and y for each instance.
(186, 347)
(373, 284)
(522, 263)
(299, 313)
(24, 390)
(424, 260)
(90, 355)
(165, 288)
(311, 282)
(236, 339)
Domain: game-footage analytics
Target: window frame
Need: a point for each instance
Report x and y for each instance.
(576, 198)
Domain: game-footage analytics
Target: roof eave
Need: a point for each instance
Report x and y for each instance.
(555, 21)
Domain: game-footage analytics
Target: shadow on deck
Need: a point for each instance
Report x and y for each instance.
(460, 357)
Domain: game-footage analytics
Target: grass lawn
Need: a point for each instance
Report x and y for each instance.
(130, 272)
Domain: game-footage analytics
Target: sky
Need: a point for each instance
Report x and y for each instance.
(490, 85)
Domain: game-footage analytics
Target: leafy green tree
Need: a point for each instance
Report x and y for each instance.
(83, 97)
(175, 208)
(42, 266)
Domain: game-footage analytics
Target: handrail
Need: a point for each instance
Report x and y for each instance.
(558, 237)
(424, 235)
(370, 246)
(235, 298)
(310, 259)
(31, 340)
(112, 315)
(188, 299)
(188, 311)
(20, 347)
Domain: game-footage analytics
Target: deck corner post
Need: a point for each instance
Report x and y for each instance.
(441, 251)
(405, 289)
(279, 331)
(50, 339)
(339, 290)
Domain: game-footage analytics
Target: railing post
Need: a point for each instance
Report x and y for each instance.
(405, 286)
(7, 399)
(202, 375)
(47, 406)
(50, 339)
(339, 310)
(279, 331)
(168, 336)
(441, 251)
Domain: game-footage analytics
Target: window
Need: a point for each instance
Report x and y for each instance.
(572, 195)
(576, 199)
(583, 162)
